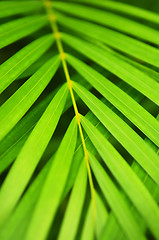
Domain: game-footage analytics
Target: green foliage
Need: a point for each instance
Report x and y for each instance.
(79, 132)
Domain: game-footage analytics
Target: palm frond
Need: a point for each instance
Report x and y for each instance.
(79, 130)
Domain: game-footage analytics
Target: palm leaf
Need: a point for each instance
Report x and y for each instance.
(36, 145)
(117, 66)
(102, 73)
(17, 29)
(56, 174)
(117, 165)
(106, 18)
(17, 64)
(13, 8)
(74, 209)
(113, 39)
(18, 104)
(116, 202)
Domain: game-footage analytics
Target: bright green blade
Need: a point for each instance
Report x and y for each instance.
(111, 228)
(125, 104)
(128, 9)
(13, 142)
(91, 117)
(35, 66)
(131, 75)
(73, 213)
(27, 160)
(149, 71)
(88, 228)
(114, 39)
(108, 19)
(123, 173)
(116, 201)
(153, 74)
(17, 29)
(133, 143)
(18, 222)
(101, 214)
(19, 103)
(151, 186)
(19, 62)
(10, 8)
(53, 187)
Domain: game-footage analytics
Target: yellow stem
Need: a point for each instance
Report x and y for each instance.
(56, 32)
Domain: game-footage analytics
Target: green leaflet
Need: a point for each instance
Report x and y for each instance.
(112, 229)
(35, 66)
(53, 187)
(154, 190)
(19, 62)
(111, 223)
(150, 72)
(133, 143)
(138, 171)
(10, 8)
(13, 142)
(145, 69)
(90, 116)
(108, 19)
(125, 8)
(114, 39)
(126, 177)
(23, 212)
(79, 152)
(131, 75)
(8, 156)
(130, 108)
(27, 160)
(153, 74)
(73, 212)
(102, 214)
(116, 201)
(149, 183)
(88, 228)
(17, 29)
(19, 103)
(101, 218)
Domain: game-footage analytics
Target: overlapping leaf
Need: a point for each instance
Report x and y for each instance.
(108, 19)
(10, 8)
(30, 155)
(50, 196)
(131, 75)
(18, 104)
(125, 176)
(18, 29)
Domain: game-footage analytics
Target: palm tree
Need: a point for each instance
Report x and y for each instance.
(79, 131)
